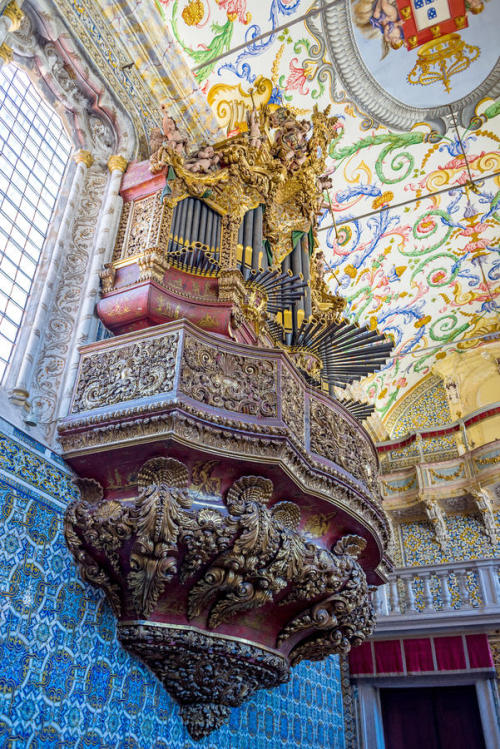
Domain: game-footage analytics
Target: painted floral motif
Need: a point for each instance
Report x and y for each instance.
(236, 10)
(298, 77)
(412, 247)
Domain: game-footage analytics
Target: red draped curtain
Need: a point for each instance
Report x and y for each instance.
(431, 718)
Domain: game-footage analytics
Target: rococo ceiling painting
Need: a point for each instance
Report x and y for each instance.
(410, 226)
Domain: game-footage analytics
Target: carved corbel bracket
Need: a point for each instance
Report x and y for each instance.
(152, 265)
(231, 287)
(213, 568)
(482, 500)
(107, 276)
(436, 516)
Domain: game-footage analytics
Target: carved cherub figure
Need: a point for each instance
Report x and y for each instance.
(203, 161)
(254, 133)
(290, 140)
(174, 138)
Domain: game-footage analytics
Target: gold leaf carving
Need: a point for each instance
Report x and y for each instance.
(127, 372)
(237, 383)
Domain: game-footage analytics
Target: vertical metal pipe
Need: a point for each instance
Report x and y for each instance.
(213, 237)
(257, 238)
(175, 223)
(182, 221)
(203, 223)
(195, 232)
(297, 258)
(306, 272)
(208, 230)
(217, 236)
(248, 234)
(296, 261)
(189, 230)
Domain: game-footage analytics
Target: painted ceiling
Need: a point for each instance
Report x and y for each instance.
(411, 225)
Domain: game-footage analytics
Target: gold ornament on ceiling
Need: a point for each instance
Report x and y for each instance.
(231, 103)
(442, 58)
(193, 13)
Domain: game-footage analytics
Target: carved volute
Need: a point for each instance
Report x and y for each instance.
(216, 568)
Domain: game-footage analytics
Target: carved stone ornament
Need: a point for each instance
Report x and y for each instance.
(215, 568)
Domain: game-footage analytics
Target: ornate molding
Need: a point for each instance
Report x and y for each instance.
(54, 347)
(218, 566)
(293, 404)
(337, 440)
(271, 448)
(139, 370)
(242, 384)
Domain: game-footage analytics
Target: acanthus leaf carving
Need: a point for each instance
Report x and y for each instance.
(138, 370)
(231, 564)
(237, 383)
(159, 518)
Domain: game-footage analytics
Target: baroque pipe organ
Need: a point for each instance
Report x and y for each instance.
(229, 502)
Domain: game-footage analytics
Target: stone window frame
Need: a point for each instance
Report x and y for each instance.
(99, 128)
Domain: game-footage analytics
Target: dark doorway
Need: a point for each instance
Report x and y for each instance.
(431, 718)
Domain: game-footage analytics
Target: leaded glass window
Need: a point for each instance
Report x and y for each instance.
(34, 154)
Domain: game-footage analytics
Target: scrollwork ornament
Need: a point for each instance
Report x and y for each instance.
(144, 551)
(134, 371)
(230, 381)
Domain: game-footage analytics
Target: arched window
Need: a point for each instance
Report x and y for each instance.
(34, 154)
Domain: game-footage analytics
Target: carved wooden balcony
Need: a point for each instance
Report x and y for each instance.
(225, 504)
(173, 383)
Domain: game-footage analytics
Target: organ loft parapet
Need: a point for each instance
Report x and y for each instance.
(229, 503)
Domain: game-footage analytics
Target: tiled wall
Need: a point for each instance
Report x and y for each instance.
(427, 406)
(467, 540)
(64, 680)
